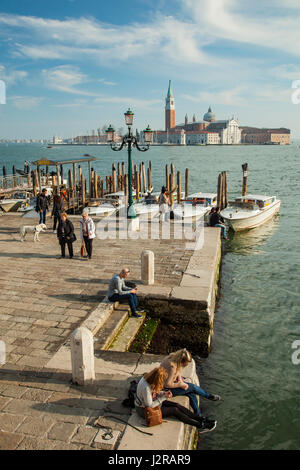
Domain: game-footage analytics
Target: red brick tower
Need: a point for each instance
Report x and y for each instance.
(170, 109)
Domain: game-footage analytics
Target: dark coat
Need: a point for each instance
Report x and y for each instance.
(215, 218)
(42, 203)
(68, 234)
(58, 207)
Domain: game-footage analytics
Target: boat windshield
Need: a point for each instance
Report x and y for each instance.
(248, 205)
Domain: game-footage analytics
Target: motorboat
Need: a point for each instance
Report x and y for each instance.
(195, 206)
(103, 210)
(28, 205)
(250, 211)
(11, 205)
(148, 207)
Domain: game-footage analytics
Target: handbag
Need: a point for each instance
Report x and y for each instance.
(82, 250)
(153, 416)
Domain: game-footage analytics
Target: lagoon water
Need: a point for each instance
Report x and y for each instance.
(258, 313)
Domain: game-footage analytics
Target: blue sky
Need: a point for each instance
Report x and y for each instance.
(71, 66)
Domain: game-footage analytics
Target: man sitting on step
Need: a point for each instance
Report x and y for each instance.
(119, 292)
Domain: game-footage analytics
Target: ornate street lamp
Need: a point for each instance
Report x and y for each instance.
(130, 141)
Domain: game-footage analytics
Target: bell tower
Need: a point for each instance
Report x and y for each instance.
(170, 109)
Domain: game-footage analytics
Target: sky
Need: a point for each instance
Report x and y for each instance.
(71, 66)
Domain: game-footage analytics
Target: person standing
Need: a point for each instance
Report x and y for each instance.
(87, 232)
(66, 235)
(26, 167)
(42, 205)
(163, 204)
(57, 210)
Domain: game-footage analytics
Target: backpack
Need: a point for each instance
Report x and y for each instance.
(129, 402)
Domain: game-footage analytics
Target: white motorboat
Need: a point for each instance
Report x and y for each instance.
(148, 207)
(195, 206)
(250, 211)
(13, 204)
(103, 210)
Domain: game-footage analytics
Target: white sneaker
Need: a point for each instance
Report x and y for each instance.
(53, 231)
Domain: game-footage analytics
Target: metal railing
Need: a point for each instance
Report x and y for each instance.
(11, 182)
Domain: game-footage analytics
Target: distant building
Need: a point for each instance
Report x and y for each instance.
(169, 109)
(206, 132)
(211, 131)
(254, 135)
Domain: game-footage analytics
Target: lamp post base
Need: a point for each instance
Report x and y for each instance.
(133, 225)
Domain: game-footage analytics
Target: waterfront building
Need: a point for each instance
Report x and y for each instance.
(209, 131)
(202, 138)
(253, 135)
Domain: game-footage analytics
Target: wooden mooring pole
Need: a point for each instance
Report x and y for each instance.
(245, 178)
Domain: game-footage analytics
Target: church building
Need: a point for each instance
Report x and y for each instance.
(205, 132)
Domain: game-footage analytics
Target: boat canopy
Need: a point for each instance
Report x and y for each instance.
(254, 199)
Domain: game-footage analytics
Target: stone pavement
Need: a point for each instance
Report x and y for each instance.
(42, 300)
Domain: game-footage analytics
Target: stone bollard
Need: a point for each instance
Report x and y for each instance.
(82, 356)
(2, 353)
(147, 267)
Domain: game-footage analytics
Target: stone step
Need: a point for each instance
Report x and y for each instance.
(111, 328)
(127, 334)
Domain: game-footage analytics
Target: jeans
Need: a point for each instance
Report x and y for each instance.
(223, 228)
(43, 216)
(130, 298)
(191, 393)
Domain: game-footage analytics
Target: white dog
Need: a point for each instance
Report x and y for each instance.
(36, 229)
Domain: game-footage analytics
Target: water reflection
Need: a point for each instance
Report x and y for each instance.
(250, 242)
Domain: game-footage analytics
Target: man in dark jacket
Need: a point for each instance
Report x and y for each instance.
(216, 220)
(42, 205)
(66, 235)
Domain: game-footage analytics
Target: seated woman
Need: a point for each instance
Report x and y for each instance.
(173, 365)
(149, 393)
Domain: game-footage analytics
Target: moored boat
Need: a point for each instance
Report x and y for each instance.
(250, 211)
(195, 206)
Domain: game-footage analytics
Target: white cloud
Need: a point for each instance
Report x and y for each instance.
(87, 37)
(235, 96)
(65, 78)
(225, 19)
(12, 76)
(106, 82)
(128, 101)
(25, 102)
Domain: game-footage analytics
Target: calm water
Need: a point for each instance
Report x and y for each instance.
(258, 315)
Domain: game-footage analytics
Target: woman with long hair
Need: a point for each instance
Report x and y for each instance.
(58, 208)
(150, 393)
(173, 365)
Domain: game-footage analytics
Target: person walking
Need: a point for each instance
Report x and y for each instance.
(216, 220)
(150, 393)
(173, 365)
(57, 210)
(119, 292)
(42, 205)
(66, 235)
(87, 232)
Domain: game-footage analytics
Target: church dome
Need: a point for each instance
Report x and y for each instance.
(209, 116)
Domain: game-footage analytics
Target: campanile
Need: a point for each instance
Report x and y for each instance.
(170, 109)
